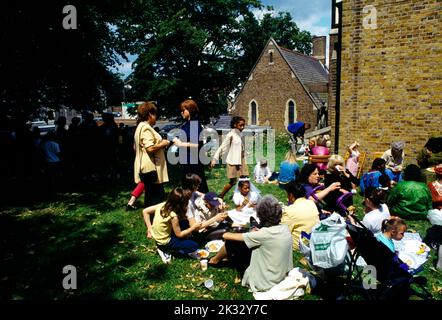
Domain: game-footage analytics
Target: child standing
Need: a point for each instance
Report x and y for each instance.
(353, 161)
(236, 164)
(166, 229)
(136, 193)
(392, 229)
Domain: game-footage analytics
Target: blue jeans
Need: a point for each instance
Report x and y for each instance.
(180, 246)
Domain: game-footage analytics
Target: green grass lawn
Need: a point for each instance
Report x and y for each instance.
(108, 247)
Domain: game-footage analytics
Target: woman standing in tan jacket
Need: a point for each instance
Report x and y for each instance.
(150, 165)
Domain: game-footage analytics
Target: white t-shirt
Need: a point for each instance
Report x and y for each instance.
(373, 219)
(260, 173)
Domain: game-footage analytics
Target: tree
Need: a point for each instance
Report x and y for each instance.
(45, 65)
(186, 48)
(199, 48)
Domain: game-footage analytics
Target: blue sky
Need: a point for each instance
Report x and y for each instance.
(310, 15)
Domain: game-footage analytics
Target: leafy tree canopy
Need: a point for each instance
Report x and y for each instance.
(45, 65)
(199, 48)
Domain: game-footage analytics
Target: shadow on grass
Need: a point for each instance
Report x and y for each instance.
(158, 273)
(37, 245)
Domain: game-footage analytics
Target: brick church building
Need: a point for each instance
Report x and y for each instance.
(285, 86)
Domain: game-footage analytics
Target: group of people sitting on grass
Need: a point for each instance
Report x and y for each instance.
(263, 254)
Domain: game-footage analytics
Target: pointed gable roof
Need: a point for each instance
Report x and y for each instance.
(308, 69)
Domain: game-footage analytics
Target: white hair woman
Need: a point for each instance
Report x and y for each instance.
(264, 256)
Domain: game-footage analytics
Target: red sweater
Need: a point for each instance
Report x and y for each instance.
(435, 194)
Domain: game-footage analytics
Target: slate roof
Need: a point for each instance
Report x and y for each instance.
(308, 69)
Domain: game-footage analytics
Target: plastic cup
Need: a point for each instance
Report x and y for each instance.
(204, 263)
(208, 284)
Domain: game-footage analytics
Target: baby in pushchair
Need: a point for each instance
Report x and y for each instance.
(389, 277)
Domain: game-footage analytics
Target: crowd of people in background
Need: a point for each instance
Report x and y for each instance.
(72, 154)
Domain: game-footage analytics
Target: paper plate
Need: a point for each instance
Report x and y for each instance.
(202, 253)
(214, 246)
(409, 259)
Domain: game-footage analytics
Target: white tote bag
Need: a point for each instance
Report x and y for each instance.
(328, 243)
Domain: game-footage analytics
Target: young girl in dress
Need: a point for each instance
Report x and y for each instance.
(244, 198)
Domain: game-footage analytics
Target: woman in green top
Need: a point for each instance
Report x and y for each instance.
(410, 199)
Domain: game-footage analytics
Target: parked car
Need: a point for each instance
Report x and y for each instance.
(43, 126)
(165, 131)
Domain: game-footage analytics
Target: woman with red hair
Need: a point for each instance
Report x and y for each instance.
(191, 144)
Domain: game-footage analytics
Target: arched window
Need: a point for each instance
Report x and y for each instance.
(271, 61)
(291, 111)
(253, 113)
(290, 115)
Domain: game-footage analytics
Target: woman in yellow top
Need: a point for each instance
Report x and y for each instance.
(166, 229)
(150, 165)
(301, 215)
